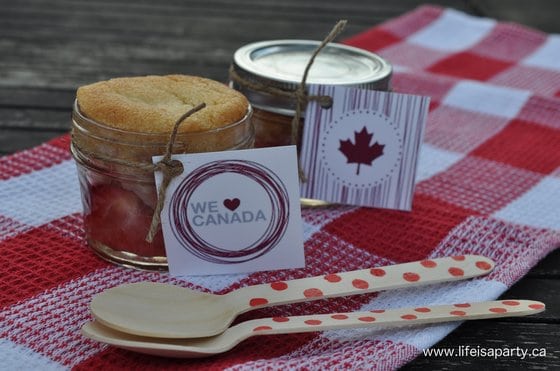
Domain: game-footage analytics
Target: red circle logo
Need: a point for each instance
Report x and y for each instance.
(191, 229)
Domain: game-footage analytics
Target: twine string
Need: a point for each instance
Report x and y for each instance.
(301, 92)
(324, 100)
(170, 169)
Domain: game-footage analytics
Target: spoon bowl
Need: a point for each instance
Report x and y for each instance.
(168, 311)
(207, 346)
(124, 307)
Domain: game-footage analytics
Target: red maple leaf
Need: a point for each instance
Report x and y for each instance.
(361, 152)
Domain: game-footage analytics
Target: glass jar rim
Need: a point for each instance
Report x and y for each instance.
(280, 64)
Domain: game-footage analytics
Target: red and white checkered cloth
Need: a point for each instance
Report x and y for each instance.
(488, 183)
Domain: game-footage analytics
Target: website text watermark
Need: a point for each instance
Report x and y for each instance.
(485, 352)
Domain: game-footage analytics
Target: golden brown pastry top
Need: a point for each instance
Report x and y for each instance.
(152, 104)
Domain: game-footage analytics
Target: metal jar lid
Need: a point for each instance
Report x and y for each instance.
(281, 63)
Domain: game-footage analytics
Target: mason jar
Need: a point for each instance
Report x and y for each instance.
(280, 64)
(118, 187)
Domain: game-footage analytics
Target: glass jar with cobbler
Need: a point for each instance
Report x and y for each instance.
(117, 126)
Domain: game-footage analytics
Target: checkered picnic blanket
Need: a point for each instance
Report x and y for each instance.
(488, 183)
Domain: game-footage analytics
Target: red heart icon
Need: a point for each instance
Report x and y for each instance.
(232, 204)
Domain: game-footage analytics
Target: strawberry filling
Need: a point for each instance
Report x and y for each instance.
(119, 219)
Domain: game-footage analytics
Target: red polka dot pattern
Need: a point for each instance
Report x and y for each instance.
(483, 265)
(360, 284)
(411, 277)
(367, 319)
(456, 272)
(409, 316)
(279, 286)
(428, 263)
(436, 313)
(456, 266)
(333, 278)
(313, 322)
(262, 328)
(339, 316)
(377, 272)
(255, 302)
(498, 310)
(329, 284)
(462, 305)
(313, 293)
(458, 313)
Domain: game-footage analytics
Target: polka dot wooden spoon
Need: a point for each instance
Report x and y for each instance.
(168, 311)
(201, 347)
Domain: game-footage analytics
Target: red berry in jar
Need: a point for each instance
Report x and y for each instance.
(119, 218)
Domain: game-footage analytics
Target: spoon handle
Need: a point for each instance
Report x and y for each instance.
(389, 317)
(363, 281)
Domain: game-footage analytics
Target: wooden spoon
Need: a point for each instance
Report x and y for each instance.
(202, 347)
(168, 311)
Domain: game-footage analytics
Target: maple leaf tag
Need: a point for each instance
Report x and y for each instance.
(361, 152)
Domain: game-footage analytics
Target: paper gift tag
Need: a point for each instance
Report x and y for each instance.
(233, 212)
(364, 149)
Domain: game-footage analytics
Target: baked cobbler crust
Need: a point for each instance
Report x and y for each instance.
(152, 104)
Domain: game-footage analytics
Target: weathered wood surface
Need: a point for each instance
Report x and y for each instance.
(49, 48)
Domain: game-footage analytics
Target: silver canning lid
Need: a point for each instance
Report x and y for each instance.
(281, 63)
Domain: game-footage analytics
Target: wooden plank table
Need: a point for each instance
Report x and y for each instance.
(48, 49)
